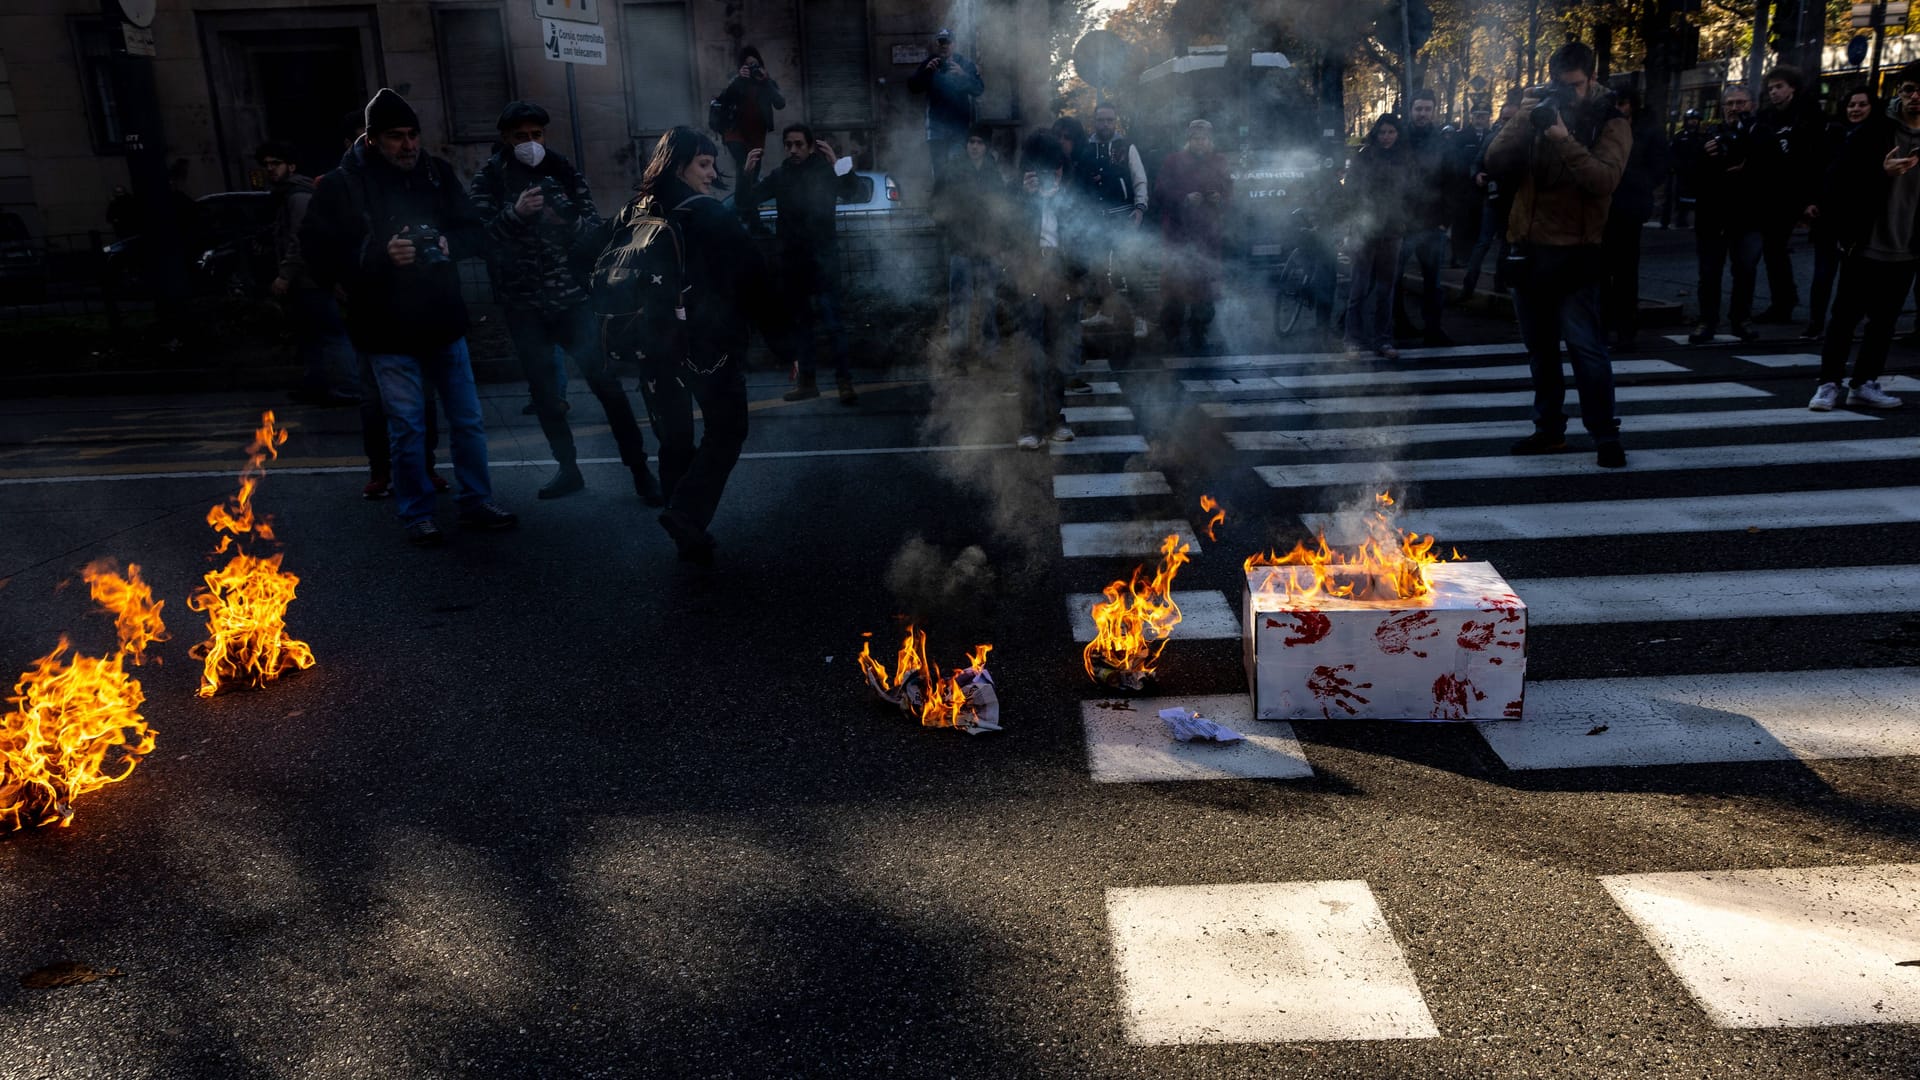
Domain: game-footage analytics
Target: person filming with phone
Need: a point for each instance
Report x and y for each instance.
(1564, 154)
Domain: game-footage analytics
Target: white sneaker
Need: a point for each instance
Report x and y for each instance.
(1869, 394)
(1030, 442)
(1063, 433)
(1825, 398)
(1097, 320)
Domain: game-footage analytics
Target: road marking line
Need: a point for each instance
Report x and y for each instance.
(1644, 517)
(1413, 403)
(1140, 539)
(1109, 485)
(1128, 743)
(1100, 444)
(1281, 962)
(1097, 414)
(515, 463)
(1372, 474)
(1207, 615)
(1796, 948)
(1099, 388)
(1782, 360)
(1508, 372)
(1323, 359)
(1718, 339)
(1377, 437)
(1731, 594)
(1697, 719)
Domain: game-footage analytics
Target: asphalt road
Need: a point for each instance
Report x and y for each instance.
(552, 804)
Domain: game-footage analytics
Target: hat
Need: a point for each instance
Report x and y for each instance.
(943, 35)
(389, 110)
(520, 112)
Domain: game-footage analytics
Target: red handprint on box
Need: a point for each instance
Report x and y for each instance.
(1401, 633)
(1506, 629)
(1307, 628)
(1454, 696)
(1332, 689)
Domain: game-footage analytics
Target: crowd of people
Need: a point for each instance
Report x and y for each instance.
(1556, 189)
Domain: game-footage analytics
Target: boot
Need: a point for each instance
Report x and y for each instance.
(805, 390)
(646, 487)
(565, 481)
(847, 396)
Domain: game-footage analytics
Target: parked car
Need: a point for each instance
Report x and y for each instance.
(228, 246)
(877, 195)
(23, 263)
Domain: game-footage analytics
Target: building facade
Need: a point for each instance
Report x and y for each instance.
(230, 74)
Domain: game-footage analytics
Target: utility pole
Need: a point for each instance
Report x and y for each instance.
(1533, 44)
(1757, 56)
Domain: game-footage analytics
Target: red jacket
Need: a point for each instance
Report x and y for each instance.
(1183, 220)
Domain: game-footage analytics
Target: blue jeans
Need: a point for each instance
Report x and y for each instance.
(970, 282)
(403, 381)
(1560, 300)
(1370, 294)
(331, 364)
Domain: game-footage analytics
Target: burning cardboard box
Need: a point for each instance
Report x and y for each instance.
(1386, 632)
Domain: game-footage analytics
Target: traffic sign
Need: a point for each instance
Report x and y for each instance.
(1868, 16)
(573, 43)
(586, 11)
(1857, 50)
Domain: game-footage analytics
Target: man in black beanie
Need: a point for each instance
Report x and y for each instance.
(543, 234)
(387, 226)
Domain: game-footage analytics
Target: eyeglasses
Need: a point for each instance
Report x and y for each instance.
(1909, 90)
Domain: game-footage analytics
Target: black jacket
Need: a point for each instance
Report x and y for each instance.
(1376, 192)
(1787, 150)
(726, 280)
(1648, 164)
(360, 206)
(536, 265)
(804, 197)
(1729, 184)
(973, 207)
(1859, 183)
(1426, 191)
(950, 93)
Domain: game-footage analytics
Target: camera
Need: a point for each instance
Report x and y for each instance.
(556, 198)
(1555, 102)
(755, 69)
(426, 245)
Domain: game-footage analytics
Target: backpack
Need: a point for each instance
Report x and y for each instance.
(721, 113)
(639, 282)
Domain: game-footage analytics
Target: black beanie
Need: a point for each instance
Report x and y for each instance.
(389, 110)
(519, 112)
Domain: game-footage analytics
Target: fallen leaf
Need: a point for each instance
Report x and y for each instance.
(1598, 729)
(1753, 528)
(67, 973)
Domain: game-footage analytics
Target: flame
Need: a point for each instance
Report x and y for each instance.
(1210, 505)
(246, 601)
(1135, 614)
(1390, 564)
(74, 728)
(938, 701)
(136, 613)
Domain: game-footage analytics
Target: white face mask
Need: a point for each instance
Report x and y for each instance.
(530, 153)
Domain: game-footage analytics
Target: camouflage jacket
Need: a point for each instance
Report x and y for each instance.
(539, 265)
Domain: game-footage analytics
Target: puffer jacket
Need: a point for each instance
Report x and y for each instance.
(1565, 185)
(536, 265)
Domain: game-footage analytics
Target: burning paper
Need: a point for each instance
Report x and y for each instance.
(246, 601)
(1186, 725)
(1132, 624)
(130, 601)
(963, 699)
(74, 727)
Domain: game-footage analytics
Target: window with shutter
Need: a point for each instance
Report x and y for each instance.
(475, 73)
(656, 41)
(839, 84)
(96, 78)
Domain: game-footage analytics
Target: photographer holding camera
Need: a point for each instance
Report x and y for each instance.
(385, 227)
(743, 116)
(1727, 217)
(1564, 155)
(542, 234)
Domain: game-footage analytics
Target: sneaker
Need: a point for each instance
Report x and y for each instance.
(1078, 385)
(695, 544)
(1744, 332)
(1869, 394)
(488, 516)
(1825, 398)
(847, 394)
(806, 391)
(1063, 433)
(1095, 322)
(379, 487)
(1140, 328)
(424, 533)
(564, 482)
(1355, 352)
(1610, 455)
(440, 485)
(1540, 442)
(1031, 442)
(645, 486)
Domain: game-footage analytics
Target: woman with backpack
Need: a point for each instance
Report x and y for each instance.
(702, 357)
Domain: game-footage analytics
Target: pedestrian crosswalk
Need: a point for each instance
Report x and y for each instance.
(1252, 961)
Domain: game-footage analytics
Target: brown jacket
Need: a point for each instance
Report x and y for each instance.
(1564, 187)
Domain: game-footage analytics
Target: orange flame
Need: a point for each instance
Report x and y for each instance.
(1210, 505)
(939, 702)
(1389, 564)
(136, 613)
(1136, 614)
(246, 601)
(74, 728)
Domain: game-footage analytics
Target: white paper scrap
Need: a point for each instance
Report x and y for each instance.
(1186, 725)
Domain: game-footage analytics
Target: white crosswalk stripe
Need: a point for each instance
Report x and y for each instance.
(1408, 403)
(1727, 594)
(1126, 538)
(1323, 359)
(1205, 615)
(1109, 485)
(1373, 474)
(1097, 414)
(1126, 444)
(1415, 376)
(1379, 436)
